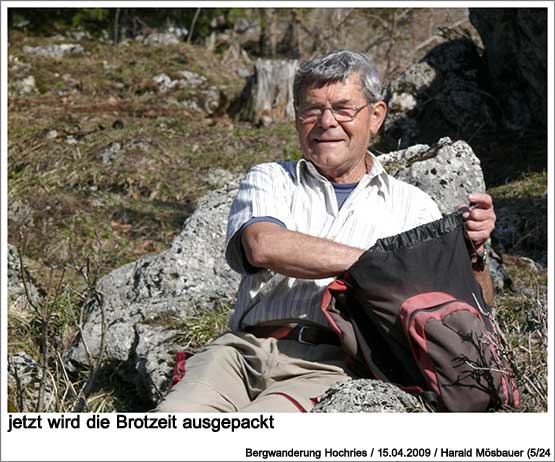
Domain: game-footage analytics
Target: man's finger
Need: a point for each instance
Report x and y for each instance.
(481, 200)
(481, 215)
(472, 225)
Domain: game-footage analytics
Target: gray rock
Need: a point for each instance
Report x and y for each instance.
(515, 42)
(161, 39)
(247, 30)
(16, 290)
(367, 396)
(191, 79)
(141, 299)
(164, 82)
(111, 153)
(24, 378)
(54, 50)
(171, 36)
(26, 86)
(205, 98)
(448, 171)
(439, 96)
(18, 66)
(508, 227)
(20, 212)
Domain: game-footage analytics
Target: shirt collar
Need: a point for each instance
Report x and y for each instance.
(374, 172)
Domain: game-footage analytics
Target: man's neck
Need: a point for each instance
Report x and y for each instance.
(354, 175)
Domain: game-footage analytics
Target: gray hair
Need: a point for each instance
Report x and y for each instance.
(335, 67)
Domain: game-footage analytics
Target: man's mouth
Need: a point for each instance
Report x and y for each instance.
(319, 141)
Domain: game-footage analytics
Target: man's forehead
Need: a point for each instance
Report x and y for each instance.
(349, 88)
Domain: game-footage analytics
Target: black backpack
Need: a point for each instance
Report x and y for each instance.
(411, 310)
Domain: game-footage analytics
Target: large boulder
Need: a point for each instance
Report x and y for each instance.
(142, 300)
(463, 91)
(448, 171)
(515, 42)
(439, 96)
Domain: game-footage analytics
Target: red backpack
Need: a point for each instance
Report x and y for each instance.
(411, 311)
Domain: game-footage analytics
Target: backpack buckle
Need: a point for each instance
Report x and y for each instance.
(300, 336)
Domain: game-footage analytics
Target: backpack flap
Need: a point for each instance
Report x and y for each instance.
(456, 353)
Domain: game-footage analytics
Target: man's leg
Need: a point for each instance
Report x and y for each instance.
(215, 381)
(299, 376)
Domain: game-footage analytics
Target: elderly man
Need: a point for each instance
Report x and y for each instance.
(292, 227)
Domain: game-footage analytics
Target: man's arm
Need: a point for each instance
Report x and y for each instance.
(479, 224)
(484, 279)
(294, 254)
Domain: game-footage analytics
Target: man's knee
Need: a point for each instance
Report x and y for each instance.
(195, 397)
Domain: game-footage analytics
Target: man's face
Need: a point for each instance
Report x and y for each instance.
(338, 149)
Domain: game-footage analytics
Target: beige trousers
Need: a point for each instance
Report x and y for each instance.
(239, 372)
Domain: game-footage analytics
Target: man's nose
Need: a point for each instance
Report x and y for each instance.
(327, 119)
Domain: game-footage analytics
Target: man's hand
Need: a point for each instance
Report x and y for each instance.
(480, 221)
(479, 224)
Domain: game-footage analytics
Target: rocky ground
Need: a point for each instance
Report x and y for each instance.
(112, 148)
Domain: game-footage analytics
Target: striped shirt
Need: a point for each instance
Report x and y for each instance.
(297, 195)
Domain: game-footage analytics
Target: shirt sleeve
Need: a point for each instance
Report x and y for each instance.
(263, 193)
(236, 251)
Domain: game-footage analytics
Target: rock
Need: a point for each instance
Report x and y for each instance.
(439, 96)
(54, 50)
(26, 86)
(24, 377)
(164, 82)
(111, 153)
(143, 300)
(204, 98)
(515, 41)
(448, 171)
(17, 65)
(16, 290)
(247, 31)
(20, 213)
(172, 36)
(218, 178)
(462, 92)
(508, 227)
(367, 396)
(498, 273)
(191, 79)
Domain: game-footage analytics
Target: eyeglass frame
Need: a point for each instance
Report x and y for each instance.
(330, 107)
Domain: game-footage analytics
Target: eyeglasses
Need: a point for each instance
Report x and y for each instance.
(341, 111)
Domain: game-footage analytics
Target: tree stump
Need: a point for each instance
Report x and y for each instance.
(268, 94)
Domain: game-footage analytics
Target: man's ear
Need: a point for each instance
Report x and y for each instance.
(378, 112)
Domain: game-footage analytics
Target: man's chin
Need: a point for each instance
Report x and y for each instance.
(329, 152)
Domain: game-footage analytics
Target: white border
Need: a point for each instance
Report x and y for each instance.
(309, 431)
